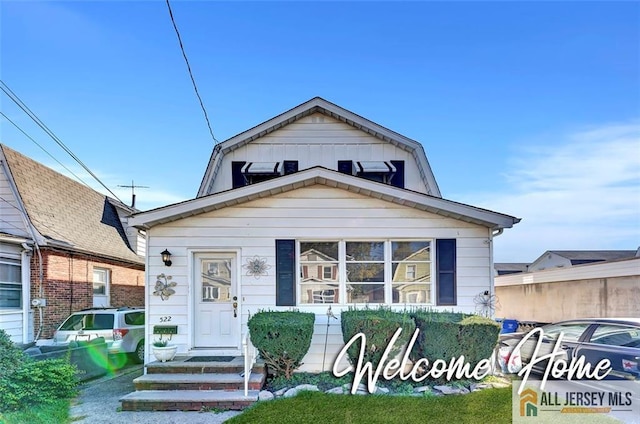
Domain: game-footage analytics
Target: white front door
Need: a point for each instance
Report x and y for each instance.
(217, 315)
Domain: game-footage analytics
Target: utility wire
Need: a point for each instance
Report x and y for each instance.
(43, 149)
(50, 133)
(193, 81)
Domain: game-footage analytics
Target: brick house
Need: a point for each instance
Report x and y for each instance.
(63, 247)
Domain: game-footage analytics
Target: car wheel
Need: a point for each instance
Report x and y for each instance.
(138, 355)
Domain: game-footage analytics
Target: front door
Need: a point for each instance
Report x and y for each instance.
(216, 302)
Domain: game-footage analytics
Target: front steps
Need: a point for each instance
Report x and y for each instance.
(194, 386)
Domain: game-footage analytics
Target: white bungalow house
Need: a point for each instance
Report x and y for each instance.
(313, 208)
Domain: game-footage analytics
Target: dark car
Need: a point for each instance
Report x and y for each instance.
(615, 339)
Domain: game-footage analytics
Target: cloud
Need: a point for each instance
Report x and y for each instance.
(581, 192)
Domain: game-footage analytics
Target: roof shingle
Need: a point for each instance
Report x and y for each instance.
(68, 214)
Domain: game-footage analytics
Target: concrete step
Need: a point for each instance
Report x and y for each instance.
(179, 365)
(187, 400)
(189, 381)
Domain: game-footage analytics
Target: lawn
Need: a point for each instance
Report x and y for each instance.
(56, 412)
(486, 406)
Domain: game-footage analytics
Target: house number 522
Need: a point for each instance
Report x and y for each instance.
(165, 319)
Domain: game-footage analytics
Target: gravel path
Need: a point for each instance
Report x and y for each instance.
(98, 404)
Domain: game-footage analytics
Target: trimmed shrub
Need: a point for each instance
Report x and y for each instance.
(38, 382)
(446, 335)
(478, 338)
(282, 338)
(378, 326)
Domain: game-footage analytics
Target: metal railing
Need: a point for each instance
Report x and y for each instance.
(250, 356)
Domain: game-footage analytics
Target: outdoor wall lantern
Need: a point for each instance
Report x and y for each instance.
(166, 257)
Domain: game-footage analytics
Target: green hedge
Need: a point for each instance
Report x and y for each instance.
(446, 335)
(25, 382)
(282, 338)
(379, 326)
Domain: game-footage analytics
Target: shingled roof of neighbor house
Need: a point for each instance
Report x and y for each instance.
(581, 256)
(66, 213)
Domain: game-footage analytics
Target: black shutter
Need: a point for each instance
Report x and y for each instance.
(398, 177)
(285, 273)
(345, 166)
(446, 272)
(290, 167)
(237, 179)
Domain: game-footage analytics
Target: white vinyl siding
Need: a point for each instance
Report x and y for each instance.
(314, 143)
(13, 220)
(316, 212)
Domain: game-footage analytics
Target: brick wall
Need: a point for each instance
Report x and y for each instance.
(68, 285)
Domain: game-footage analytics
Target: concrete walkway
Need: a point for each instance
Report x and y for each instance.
(98, 403)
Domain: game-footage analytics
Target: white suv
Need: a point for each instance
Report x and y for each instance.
(122, 329)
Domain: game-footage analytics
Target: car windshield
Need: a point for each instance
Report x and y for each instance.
(88, 322)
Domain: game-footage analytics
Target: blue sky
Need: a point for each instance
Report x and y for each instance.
(527, 108)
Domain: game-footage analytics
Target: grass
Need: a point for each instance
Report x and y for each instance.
(56, 412)
(486, 406)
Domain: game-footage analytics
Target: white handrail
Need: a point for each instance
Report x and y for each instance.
(249, 360)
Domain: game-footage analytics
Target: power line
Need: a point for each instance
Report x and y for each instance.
(193, 81)
(43, 149)
(5, 88)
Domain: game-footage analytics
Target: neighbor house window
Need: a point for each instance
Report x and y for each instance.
(319, 272)
(365, 271)
(411, 271)
(373, 271)
(101, 280)
(10, 284)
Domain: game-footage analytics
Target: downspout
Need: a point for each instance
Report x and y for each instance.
(492, 288)
(25, 267)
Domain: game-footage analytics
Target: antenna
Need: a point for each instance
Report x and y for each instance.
(133, 194)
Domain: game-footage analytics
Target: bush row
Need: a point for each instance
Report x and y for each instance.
(283, 338)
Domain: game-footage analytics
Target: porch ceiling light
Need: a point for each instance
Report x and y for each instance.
(166, 257)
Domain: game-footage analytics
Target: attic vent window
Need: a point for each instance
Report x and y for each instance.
(376, 171)
(255, 172)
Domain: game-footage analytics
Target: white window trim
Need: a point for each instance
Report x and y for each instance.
(107, 285)
(19, 285)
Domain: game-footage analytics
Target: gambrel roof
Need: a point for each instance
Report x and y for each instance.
(65, 213)
(320, 105)
(330, 178)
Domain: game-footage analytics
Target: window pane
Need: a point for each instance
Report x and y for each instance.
(365, 251)
(99, 275)
(10, 297)
(99, 289)
(365, 272)
(570, 332)
(99, 322)
(411, 250)
(134, 318)
(319, 293)
(411, 293)
(10, 284)
(365, 293)
(9, 273)
(411, 271)
(319, 251)
(616, 335)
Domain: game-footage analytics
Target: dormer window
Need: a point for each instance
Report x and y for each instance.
(382, 172)
(245, 173)
(255, 172)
